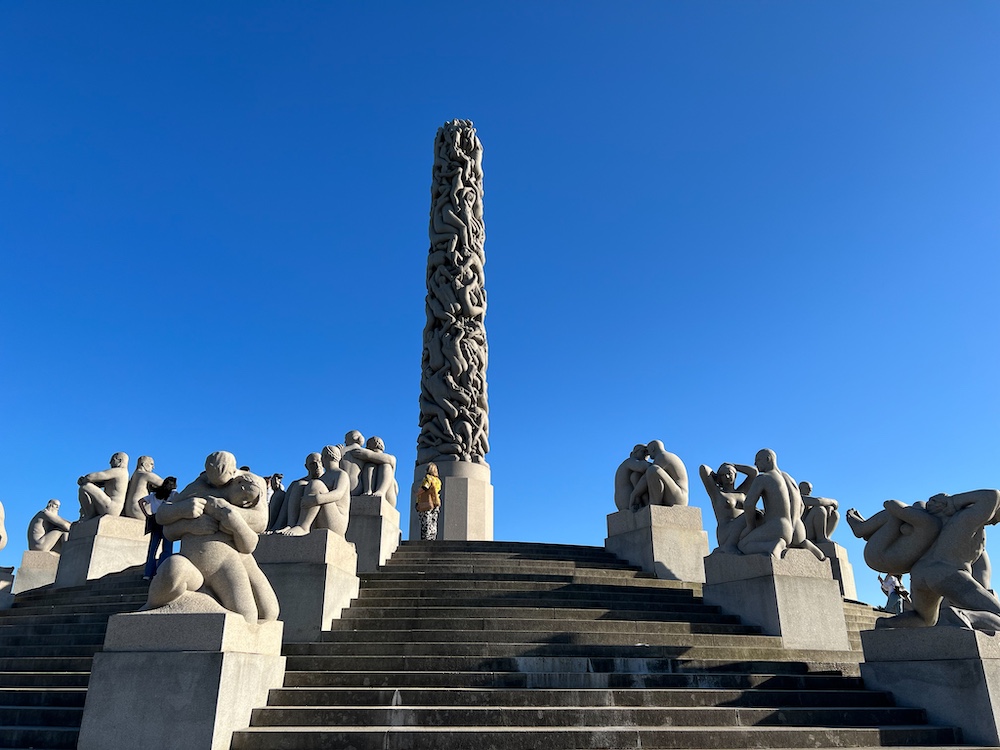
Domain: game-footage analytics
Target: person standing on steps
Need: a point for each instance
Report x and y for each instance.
(429, 503)
(149, 505)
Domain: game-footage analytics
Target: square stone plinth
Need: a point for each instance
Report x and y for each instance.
(314, 576)
(666, 541)
(181, 681)
(37, 569)
(841, 568)
(373, 528)
(99, 546)
(794, 597)
(952, 673)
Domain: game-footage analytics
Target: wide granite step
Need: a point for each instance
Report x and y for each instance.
(393, 737)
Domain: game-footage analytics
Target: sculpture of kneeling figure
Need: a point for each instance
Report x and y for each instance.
(217, 518)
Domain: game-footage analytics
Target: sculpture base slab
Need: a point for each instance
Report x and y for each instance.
(666, 541)
(466, 501)
(37, 569)
(315, 577)
(184, 681)
(374, 529)
(99, 546)
(952, 673)
(843, 573)
(6, 586)
(794, 597)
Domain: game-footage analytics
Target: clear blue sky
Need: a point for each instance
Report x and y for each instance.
(723, 225)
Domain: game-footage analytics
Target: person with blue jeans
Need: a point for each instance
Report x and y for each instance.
(157, 542)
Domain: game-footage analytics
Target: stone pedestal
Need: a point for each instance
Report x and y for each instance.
(6, 586)
(37, 569)
(843, 573)
(374, 529)
(102, 545)
(179, 681)
(668, 542)
(952, 673)
(466, 501)
(315, 577)
(794, 597)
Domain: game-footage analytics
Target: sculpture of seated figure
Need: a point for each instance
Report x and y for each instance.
(943, 569)
(218, 517)
(142, 482)
(378, 471)
(351, 463)
(665, 481)
(727, 502)
(819, 515)
(47, 530)
(276, 509)
(102, 493)
(781, 527)
(629, 472)
(326, 498)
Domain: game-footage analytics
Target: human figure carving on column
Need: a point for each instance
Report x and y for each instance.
(454, 413)
(218, 518)
(665, 481)
(819, 515)
(781, 527)
(378, 471)
(47, 530)
(942, 568)
(102, 493)
(326, 498)
(142, 483)
(727, 502)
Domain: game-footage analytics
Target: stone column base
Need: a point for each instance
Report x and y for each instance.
(794, 597)
(666, 541)
(102, 545)
(373, 527)
(843, 573)
(184, 681)
(37, 569)
(315, 577)
(6, 586)
(952, 673)
(466, 501)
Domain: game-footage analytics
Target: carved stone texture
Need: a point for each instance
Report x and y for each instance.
(217, 519)
(142, 482)
(454, 414)
(660, 480)
(937, 543)
(102, 493)
(47, 530)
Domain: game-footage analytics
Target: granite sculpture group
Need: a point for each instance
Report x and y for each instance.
(940, 542)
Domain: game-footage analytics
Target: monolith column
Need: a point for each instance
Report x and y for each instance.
(454, 413)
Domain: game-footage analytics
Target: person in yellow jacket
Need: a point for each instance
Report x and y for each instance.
(429, 503)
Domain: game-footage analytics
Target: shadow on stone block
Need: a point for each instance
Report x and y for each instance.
(314, 576)
(794, 597)
(668, 542)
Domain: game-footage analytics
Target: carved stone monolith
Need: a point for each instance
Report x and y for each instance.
(454, 413)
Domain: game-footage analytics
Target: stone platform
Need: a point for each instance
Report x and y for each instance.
(668, 542)
(102, 545)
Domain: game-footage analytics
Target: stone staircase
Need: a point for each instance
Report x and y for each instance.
(504, 646)
(47, 641)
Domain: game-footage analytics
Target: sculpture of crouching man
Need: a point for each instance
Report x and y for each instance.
(102, 493)
(47, 530)
(217, 518)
